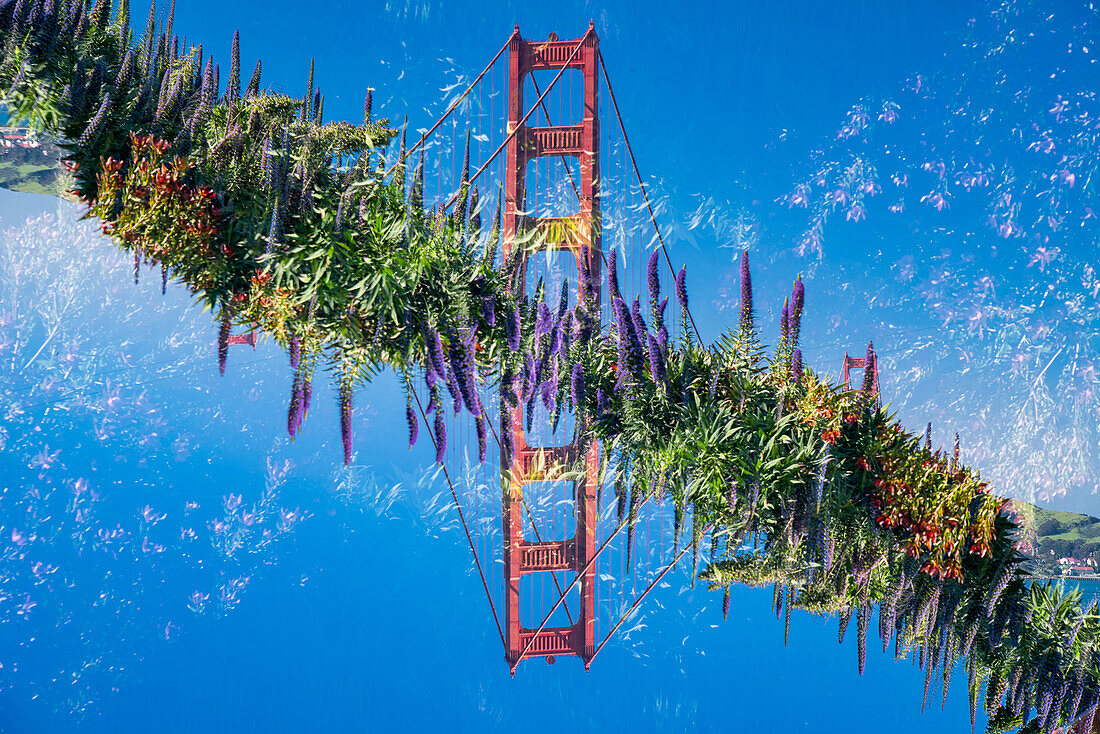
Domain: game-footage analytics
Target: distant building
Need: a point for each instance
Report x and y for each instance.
(18, 137)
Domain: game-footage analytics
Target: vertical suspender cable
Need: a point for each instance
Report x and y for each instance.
(461, 516)
(652, 215)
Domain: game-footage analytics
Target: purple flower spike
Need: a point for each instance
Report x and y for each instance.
(434, 346)
(542, 320)
(681, 288)
(798, 300)
(507, 387)
(746, 296)
(488, 310)
(557, 337)
(784, 321)
(640, 327)
(414, 425)
(482, 438)
(585, 285)
(511, 331)
(550, 389)
(602, 403)
(455, 391)
(467, 371)
(662, 338)
(294, 411)
(656, 362)
(547, 394)
(515, 331)
(223, 341)
(726, 604)
(517, 385)
(307, 395)
(345, 419)
(506, 448)
(869, 370)
(623, 321)
(630, 348)
(529, 372)
(295, 351)
(299, 415)
(581, 321)
(796, 366)
(576, 386)
(613, 276)
(652, 279)
(440, 437)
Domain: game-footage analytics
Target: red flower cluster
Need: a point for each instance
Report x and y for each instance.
(927, 501)
(164, 214)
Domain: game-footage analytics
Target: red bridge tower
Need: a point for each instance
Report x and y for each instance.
(544, 463)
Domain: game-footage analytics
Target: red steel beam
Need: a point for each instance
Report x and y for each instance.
(579, 552)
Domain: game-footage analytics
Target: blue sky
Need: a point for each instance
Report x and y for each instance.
(375, 622)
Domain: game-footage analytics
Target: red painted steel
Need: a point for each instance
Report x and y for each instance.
(544, 463)
(248, 339)
(860, 363)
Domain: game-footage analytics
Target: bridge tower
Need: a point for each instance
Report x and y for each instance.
(860, 363)
(569, 234)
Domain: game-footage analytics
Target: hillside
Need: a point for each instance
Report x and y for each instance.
(30, 163)
(1051, 535)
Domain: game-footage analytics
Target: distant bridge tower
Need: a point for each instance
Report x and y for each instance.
(861, 363)
(569, 233)
(248, 339)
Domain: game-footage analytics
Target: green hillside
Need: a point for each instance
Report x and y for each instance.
(34, 170)
(1052, 535)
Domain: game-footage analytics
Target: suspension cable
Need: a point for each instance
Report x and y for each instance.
(461, 516)
(564, 158)
(638, 175)
(578, 577)
(641, 597)
(521, 123)
(530, 517)
(458, 101)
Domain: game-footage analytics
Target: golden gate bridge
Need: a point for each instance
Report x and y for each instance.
(561, 568)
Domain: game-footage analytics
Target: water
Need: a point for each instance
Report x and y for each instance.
(1090, 588)
(308, 599)
(352, 614)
